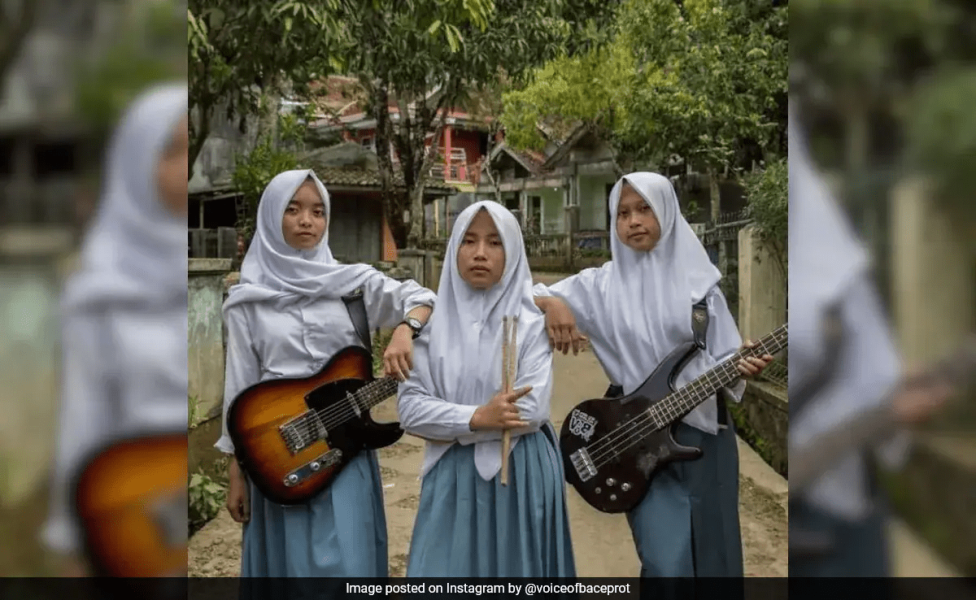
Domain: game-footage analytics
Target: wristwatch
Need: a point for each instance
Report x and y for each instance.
(414, 325)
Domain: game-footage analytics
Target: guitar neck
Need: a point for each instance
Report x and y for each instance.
(811, 460)
(683, 401)
(376, 391)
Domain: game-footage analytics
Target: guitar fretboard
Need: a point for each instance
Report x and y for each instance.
(683, 401)
(375, 392)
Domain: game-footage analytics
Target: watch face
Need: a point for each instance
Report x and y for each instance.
(415, 324)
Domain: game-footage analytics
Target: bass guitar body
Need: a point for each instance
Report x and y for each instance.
(294, 436)
(131, 501)
(611, 451)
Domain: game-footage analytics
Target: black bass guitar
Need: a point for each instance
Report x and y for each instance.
(612, 448)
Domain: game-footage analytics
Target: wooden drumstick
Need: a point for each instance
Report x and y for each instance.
(509, 365)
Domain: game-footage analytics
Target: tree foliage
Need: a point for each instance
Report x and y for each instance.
(149, 50)
(240, 53)
(885, 87)
(767, 191)
(425, 57)
(254, 170)
(704, 80)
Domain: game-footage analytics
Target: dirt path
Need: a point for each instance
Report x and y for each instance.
(603, 543)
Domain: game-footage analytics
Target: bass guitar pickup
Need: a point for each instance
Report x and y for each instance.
(330, 458)
(583, 464)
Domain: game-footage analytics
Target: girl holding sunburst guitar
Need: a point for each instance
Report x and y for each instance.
(119, 492)
(286, 325)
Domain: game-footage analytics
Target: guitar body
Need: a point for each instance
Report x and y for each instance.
(287, 452)
(613, 479)
(131, 500)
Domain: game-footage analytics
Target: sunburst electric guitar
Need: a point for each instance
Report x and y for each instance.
(131, 501)
(294, 436)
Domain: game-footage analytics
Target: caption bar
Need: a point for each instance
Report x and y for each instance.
(485, 589)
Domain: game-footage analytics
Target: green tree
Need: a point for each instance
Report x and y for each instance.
(702, 80)
(426, 57)
(254, 170)
(243, 54)
(149, 49)
(857, 60)
(767, 190)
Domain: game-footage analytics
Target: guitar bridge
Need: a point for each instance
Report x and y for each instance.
(583, 464)
(302, 431)
(305, 471)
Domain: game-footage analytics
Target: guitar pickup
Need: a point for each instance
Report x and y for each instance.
(305, 471)
(583, 464)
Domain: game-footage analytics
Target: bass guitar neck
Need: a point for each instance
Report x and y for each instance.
(613, 447)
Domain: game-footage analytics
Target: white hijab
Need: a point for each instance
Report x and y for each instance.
(135, 251)
(648, 295)
(273, 270)
(826, 263)
(461, 361)
(825, 256)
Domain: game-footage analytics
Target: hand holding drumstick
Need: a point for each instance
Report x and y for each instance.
(509, 354)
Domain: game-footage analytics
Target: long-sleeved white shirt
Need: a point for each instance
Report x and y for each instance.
(266, 342)
(583, 295)
(124, 374)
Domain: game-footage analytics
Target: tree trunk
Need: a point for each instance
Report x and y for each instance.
(199, 133)
(715, 195)
(393, 203)
(268, 118)
(416, 231)
(394, 207)
(13, 33)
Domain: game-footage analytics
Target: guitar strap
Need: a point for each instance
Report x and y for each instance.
(699, 326)
(699, 322)
(357, 312)
(833, 338)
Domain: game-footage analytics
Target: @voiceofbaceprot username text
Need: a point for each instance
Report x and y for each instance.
(479, 589)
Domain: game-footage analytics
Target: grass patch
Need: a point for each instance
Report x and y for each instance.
(749, 435)
(207, 497)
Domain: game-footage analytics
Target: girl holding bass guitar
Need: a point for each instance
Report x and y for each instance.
(838, 521)
(635, 310)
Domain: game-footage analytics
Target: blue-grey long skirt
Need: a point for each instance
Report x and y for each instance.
(469, 527)
(850, 549)
(339, 533)
(688, 523)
